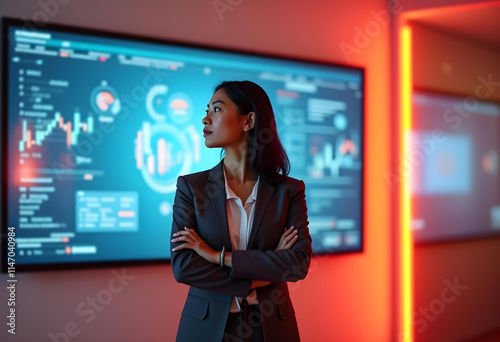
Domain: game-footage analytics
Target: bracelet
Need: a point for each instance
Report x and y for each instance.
(222, 255)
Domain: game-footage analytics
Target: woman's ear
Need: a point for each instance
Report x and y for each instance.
(249, 121)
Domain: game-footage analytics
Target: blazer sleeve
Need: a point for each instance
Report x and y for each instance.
(190, 268)
(282, 265)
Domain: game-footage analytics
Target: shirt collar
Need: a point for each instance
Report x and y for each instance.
(231, 194)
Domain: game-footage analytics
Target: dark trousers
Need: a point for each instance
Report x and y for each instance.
(244, 326)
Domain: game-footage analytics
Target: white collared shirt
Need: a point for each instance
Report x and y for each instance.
(240, 219)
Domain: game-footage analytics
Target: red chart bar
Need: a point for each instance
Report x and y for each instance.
(68, 133)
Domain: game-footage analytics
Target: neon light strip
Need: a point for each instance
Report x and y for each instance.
(406, 248)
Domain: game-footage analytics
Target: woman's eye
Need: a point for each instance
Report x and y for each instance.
(216, 109)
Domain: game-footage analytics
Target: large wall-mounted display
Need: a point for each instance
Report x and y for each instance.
(98, 126)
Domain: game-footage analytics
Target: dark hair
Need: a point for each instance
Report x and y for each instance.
(265, 151)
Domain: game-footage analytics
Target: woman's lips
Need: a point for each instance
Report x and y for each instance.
(205, 133)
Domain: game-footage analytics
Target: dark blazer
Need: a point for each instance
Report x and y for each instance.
(200, 203)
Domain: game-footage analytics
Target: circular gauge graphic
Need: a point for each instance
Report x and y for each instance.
(104, 100)
(162, 154)
(156, 102)
(180, 108)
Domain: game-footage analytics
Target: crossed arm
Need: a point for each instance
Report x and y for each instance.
(194, 242)
(195, 263)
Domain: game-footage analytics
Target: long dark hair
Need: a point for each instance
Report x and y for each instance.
(265, 151)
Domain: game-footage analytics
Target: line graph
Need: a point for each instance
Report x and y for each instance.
(35, 137)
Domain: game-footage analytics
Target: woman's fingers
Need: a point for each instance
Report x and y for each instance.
(190, 231)
(288, 238)
(186, 238)
(184, 245)
(291, 242)
(186, 231)
(291, 235)
(288, 231)
(187, 234)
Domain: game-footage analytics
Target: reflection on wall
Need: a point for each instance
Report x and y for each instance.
(454, 164)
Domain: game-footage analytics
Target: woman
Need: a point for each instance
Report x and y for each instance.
(230, 240)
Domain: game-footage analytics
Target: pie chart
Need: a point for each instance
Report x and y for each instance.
(104, 100)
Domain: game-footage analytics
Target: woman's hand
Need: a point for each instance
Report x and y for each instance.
(194, 242)
(288, 238)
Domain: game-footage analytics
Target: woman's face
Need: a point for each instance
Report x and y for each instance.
(224, 125)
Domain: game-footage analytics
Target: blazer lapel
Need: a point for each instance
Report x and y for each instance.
(264, 195)
(216, 191)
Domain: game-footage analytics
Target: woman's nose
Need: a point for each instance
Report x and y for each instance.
(204, 121)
